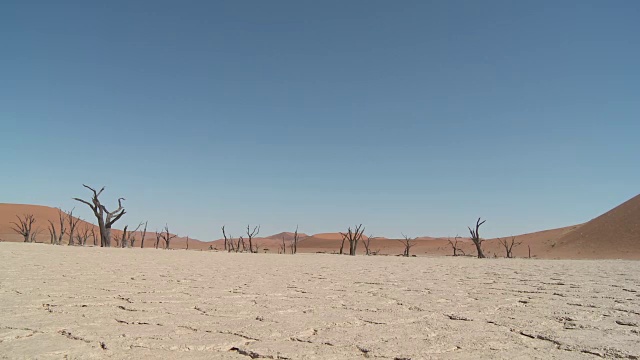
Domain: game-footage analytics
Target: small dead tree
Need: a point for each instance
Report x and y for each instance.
(408, 244)
(24, 226)
(105, 218)
(83, 235)
(73, 223)
(454, 246)
(34, 235)
(353, 236)
(344, 238)
(187, 242)
(53, 234)
(294, 243)
(241, 242)
(529, 246)
(508, 245)
(475, 237)
(367, 245)
(144, 234)
(229, 244)
(93, 235)
(166, 236)
(158, 238)
(282, 249)
(250, 236)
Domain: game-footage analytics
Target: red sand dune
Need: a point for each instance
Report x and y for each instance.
(613, 235)
(616, 234)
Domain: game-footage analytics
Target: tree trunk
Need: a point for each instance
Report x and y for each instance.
(479, 249)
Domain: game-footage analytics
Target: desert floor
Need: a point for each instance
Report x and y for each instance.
(69, 302)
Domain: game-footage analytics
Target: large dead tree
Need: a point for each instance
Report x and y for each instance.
(105, 218)
(73, 223)
(353, 236)
(475, 237)
(408, 244)
(166, 236)
(508, 245)
(24, 226)
(454, 246)
(250, 235)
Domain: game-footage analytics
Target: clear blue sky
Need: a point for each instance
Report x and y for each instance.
(406, 116)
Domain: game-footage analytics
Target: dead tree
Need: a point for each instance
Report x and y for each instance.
(529, 246)
(225, 240)
(344, 237)
(129, 237)
(251, 235)
(241, 242)
(83, 235)
(475, 237)
(454, 246)
(144, 234)
(508, 245)
(166, 236)
(187, 243)
(294, 243)
(158, 238)
(53, 234)
(24, 226)
(408, 244)
(282, 249)
(73, 223)
(34, 235)
(367, 245)
(105, 218)
(93, 235)
(353, 236)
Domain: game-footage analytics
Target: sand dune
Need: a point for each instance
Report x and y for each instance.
(615, 234)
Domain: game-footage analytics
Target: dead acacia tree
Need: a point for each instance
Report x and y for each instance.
(93, 235)
(34, 235)
(166, 236)
(475, 237)
(105, 218)
(83, 235)
(408, 244)
(187, 242)
(250, 236)
(294, 242)
(282, 249)
(24, 226)
(241, 242)
(52, 233)
(227, 246)
(158, 238)
(73, 223)
(508, 245)
(454, 246)
(353, 236)
(144, 234)
(367, 245)
(344, 238)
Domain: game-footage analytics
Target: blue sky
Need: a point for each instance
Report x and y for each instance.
(406, 116)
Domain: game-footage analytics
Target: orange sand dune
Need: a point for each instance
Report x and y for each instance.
(613, 235)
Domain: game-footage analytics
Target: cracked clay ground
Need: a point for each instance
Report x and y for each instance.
(67, 302)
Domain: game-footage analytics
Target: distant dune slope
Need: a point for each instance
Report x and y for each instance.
(613, 235)
(616, 234)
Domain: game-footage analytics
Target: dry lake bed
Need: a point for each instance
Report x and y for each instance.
(81, 303)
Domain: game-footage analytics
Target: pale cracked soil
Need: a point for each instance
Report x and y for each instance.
(82, 303)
